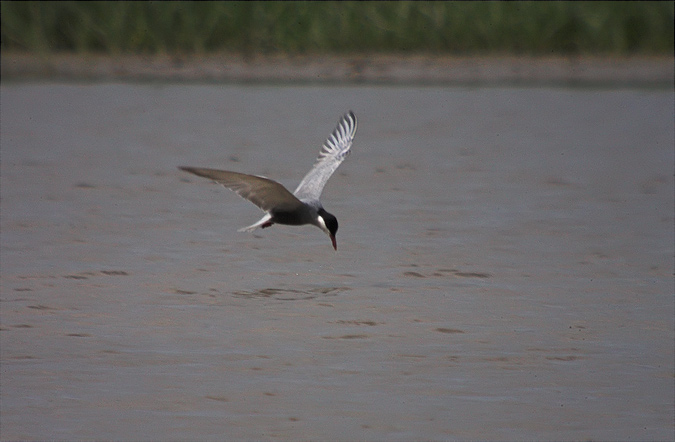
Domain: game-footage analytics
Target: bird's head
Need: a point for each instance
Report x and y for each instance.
(329, 224)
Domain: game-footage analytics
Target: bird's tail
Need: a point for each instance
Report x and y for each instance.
(260, 222)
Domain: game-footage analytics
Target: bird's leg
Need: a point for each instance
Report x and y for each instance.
(266, 224)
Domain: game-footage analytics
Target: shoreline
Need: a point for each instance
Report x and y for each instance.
(642, 71)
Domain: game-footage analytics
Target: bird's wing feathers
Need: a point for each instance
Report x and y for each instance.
(333, 152)
(262, 192)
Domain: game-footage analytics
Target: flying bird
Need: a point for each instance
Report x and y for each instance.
(303, 205)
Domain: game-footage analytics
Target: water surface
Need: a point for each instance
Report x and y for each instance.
(505, 265)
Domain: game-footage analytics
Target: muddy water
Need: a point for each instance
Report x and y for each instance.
(504, 265)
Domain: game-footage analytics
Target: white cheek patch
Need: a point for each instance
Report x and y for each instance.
(322, 224)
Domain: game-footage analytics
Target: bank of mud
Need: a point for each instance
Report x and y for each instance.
(365, 68)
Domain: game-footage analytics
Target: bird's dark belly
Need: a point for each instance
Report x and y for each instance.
(291, 218)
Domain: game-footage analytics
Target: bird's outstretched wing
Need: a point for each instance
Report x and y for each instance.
(262, 192)
(332, 154)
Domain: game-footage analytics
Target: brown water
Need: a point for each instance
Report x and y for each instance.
(505, 265)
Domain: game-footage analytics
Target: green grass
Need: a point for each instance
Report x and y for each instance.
(463, 28)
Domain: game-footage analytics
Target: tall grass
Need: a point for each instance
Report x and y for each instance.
(339, 27)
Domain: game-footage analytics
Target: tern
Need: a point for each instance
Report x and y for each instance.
(279, 204)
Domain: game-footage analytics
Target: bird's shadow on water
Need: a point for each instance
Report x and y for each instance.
(290, 294)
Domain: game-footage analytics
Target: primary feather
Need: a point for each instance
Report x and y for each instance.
(334, 151)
